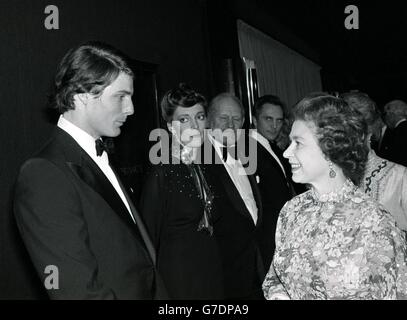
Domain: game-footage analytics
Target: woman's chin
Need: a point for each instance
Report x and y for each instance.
(296, 177)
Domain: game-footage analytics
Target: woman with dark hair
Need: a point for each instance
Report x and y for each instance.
(333, 241)
(383, 180)
(176, 204)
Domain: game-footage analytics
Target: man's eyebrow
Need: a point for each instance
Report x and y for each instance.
(296, 138)
(124, 91)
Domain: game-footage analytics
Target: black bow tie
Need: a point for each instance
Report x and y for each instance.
(231, 150)
(101, 146)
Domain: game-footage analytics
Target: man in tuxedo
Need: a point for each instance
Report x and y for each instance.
(237, 204)
(73, 213)
(394, 148)
(273, 171)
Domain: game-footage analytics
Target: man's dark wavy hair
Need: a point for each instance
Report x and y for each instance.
(87, 68)
(340, 130)
(269, 98)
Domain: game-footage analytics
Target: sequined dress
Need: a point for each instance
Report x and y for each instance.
(188, 260)
(337, 246)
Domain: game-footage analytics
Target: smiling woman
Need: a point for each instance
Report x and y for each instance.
(333, 241)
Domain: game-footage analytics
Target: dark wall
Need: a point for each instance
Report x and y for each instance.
(223, 36)
(171, 34)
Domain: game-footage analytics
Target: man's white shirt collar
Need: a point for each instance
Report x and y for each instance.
(266, 144)
(239, 178)
(87, 143)
(84, 139)
(402, 120)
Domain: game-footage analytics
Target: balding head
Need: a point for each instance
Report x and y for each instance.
(226, 112)
(366, 106)
(395, 111)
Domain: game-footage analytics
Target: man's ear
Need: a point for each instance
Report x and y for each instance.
(255, 122)
(81, 99)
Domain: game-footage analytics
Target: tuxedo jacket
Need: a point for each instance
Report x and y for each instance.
(275, 189)
(235, 231)
(394, 145)
(387, 138)
(71, 217)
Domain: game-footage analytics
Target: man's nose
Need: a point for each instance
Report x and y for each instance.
(129, 109)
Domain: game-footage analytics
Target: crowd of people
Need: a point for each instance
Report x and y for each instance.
(323, 214)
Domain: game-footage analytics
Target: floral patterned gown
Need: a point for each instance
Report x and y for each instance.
(337, 246)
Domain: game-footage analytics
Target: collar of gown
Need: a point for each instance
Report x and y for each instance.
(344, 193)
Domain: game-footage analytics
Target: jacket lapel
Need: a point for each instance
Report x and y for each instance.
(276, 165)
(257, 198)
(89, 172)
(139, 222)
(229, 186)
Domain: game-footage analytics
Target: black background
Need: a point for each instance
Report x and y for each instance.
(187, 40)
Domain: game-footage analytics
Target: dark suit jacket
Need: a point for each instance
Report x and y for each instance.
(394, 145)
(275, 191)
(383, 151)
(70, 216)
(235, 231)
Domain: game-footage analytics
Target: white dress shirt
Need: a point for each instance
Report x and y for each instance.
(241, 181)
(266, 144)
(87, 143)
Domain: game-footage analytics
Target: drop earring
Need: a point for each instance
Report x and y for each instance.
(332, 173)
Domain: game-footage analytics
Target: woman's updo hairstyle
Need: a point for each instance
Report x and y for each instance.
(182, 96)
(340, 129)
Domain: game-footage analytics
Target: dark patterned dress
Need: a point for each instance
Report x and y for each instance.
(188, 260)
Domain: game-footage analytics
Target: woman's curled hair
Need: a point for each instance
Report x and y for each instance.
(182, 96)
(340, 130)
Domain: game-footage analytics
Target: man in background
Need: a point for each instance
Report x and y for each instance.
(394, 147)
(237, 204)
(273, 172)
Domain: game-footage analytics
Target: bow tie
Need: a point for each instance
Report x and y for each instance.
(231, 150)
(104, 146)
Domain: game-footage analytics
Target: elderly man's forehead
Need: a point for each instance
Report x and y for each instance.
(396, 106)
(227, 101)
(227, 104)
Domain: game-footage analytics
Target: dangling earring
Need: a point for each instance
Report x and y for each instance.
(332, 173)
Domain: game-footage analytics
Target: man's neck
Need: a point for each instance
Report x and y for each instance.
(76, 119)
